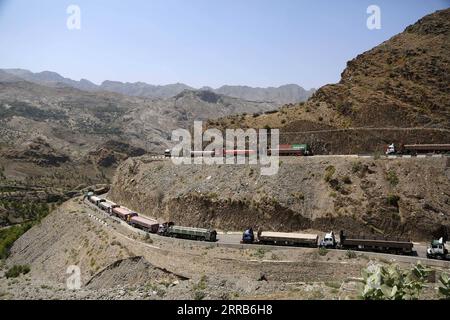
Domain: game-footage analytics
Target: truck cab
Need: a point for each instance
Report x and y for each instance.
(438, 250)
(391, 149)
(248, 236)
(329, 241)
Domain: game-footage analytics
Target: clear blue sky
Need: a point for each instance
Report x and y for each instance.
(199, 42)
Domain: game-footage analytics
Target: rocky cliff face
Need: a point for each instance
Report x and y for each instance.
(404, 197)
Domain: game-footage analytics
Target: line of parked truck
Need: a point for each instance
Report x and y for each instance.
(296, 150)
(437, 249)
(168, 229)
(396, 246)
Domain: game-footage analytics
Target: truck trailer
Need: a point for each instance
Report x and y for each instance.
(170, 230)
(288, 239)
(107, 206)
(123, 213)
(373, 243)
(146, 224)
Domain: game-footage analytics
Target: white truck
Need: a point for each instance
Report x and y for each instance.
(438, 250)
(329, 241)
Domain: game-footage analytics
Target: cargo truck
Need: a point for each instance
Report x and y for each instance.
(287, 239)
(170, 230)
(145, 224)
(123, 213)
(438, 250)
(373, 243)
(414, 149)
(107, 206)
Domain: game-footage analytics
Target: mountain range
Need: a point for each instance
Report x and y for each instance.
(290, 93)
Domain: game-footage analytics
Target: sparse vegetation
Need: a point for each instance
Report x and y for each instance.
(357, 166)
(350, 254)
(329, 172)
(9, 235)
(17, 270)
(148, 239)
(444, 288)
(199, 288)
(323, 251)
(391, 176)
(298, 195)
(260, 253)
(346, 180)
(393, 200)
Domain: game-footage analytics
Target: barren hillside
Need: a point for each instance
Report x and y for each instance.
(402, 83)
(407, 197)
(118, 263)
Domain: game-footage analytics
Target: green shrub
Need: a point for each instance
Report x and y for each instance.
(393, 200)
(346, 180)
(393, 283)
(351, 254)
(148, 239)
(329, 172)
(357, 167)
(260, 253)
(16, 271)
(322, 251)
(391, 176)
(444, 289)
(9, 235)
(199, 295)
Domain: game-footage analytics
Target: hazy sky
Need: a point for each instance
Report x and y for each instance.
(199, 42)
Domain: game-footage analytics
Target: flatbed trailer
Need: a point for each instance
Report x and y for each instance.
(397, 246)
(288, 239)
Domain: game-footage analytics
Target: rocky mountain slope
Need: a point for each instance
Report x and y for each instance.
(402, 83)
(55, 139)
(118, 263)
(291, 93)
(51, 79)
(402, 197)
(77, 121)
